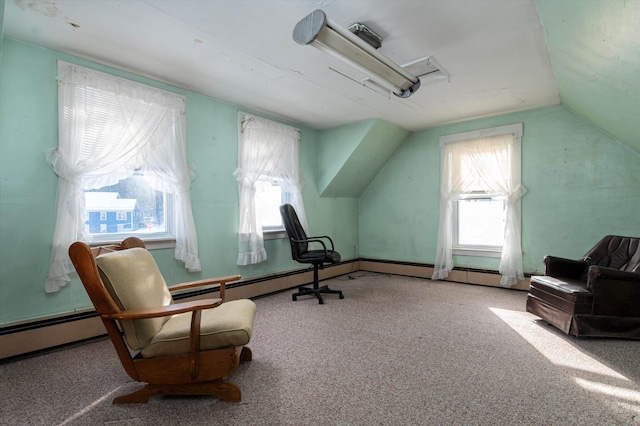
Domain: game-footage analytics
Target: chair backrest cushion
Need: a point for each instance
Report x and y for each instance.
(133, 280)
(294, 230)
(613, 251)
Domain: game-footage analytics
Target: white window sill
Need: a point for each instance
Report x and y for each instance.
(275, 234)
(477, 251)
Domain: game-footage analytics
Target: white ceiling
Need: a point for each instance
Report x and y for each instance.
(242, 52)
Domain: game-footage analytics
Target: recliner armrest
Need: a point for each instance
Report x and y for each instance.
(561, 267)
(615, 293)
(601, 272)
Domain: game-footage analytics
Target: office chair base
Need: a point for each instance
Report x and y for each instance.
(303, 291)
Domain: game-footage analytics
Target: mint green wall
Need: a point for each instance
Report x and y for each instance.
(1, 26)
(338, 143)
(582, 184)
(350, 156)
(594, 48)
(28, 127)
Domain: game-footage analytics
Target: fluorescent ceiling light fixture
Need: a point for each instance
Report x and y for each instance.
(367, 34)
(427, 69)
(322, 33)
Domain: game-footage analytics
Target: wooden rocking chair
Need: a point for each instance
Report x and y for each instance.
(186, 348)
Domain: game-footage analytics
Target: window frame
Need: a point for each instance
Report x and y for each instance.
(516, 163)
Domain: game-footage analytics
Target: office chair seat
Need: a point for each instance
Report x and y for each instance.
(320, 256)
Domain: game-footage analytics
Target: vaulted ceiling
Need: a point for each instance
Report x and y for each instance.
(502, 55)
(594, 47)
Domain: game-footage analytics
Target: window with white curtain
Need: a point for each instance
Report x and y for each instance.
(122, 167)
(480, 192)
(268, 176)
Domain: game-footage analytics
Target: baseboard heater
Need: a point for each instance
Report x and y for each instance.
(30, 337)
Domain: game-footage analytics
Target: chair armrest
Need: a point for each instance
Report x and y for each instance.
(610, 274)
(561, 267)
(220, 282)
(316, 240)
(615, 293)
(312, 240)
(195, 307)
(330, 240)
(163, 311)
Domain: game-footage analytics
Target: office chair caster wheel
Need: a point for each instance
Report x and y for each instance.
(320, 302)
(341, 296)
(293, 297)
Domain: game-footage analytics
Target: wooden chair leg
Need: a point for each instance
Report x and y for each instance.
(225, 391)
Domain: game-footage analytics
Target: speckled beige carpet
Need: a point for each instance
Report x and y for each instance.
(394, 351)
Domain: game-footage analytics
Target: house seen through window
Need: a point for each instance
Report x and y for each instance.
(131, 207)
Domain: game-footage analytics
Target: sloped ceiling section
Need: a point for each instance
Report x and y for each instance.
(350, 156)
(594, 48)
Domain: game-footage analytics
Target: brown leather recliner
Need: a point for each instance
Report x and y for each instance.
(597, 295)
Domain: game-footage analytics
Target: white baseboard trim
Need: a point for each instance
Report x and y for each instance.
(30, 337)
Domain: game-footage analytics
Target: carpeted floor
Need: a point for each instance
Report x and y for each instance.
(395, 351)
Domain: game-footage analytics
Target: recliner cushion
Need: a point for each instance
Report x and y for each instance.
(133, 280)
(566, 285)
(617, 252)
(227, 325)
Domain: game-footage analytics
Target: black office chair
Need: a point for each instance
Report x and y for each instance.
(300, 253)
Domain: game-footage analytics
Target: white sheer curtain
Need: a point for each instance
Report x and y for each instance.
(267, 151)
(110, 128)
(488, 164)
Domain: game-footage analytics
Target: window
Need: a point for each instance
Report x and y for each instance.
(479, 225)
(480, 193)
(268, 201)
(121, 159)
(268, 176)
(131, 207)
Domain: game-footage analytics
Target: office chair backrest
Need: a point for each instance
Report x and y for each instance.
(294, 230)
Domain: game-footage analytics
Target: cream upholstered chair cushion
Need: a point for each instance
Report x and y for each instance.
(133, 280)
(228, 325)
